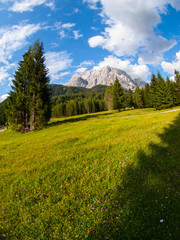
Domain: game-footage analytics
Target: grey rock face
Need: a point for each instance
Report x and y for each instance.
(104, 76)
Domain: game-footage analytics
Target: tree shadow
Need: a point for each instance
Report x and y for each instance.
(77, 118)
(145, 205)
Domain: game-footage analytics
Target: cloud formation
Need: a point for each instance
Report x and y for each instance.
(174, 65)
(14, 38)
(57, 63)
(77, 34)
(66, 31)
(28, 5)
(81, 70)
(131, 28)
(134, 70)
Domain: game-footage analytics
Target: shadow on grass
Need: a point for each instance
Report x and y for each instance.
(146, 203)
(77, 119)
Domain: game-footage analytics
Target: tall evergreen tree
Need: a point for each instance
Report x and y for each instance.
(147, 96)
(164, 99)
(18, 100)
(137, 97)
(118, 96)
(153, 90)
(129, 98)
(40, 97)
(29, 103)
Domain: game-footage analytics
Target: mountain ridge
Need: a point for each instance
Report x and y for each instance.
(104, 76)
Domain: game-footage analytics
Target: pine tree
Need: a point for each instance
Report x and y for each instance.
(40, 97)
(164, 99)
(147, 96)
(29, 102)
(153, 90)
(118, 96)
(129, 99)
(137, 97)
(18, 100)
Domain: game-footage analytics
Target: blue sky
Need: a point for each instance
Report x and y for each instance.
(139, 37)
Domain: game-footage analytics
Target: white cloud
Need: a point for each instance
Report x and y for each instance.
(134, 70)
(81, 70)
(51, 5)
(131, 27)
(68, 25)
(83, 66)
(150, 58)
(171, 67)
(57, 62)
(77, 34)
(175, 4)
(3, 97)
(4, 75)
(28, 5)
(87, 63)
(76, 10)
(62, 34)
(96, 41)
(65, 30)
(92, 4)
(14, 38)
(58, 76)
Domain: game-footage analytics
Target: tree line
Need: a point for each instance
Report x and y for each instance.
(77, 107)
(158, 94)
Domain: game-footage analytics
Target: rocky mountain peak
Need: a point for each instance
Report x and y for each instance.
(104, 76)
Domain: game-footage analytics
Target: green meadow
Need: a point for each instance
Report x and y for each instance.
(96, 176)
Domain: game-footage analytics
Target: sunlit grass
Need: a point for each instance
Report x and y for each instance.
(93, 176)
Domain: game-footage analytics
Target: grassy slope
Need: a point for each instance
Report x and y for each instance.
(101, 179)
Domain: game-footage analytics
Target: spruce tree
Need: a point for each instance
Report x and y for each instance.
(164, 99)
(137, 97)
(40, 96)
(29, 101)
(19, 99)
(153, 90)
(147, 96)
(129, 99)
(118, 96)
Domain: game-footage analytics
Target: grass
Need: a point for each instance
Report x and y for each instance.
(108, 178)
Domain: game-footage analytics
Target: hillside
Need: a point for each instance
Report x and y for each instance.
(92, 177)
(104, 76)
(58, 89)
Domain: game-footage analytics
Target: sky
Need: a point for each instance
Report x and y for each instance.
(137, 36)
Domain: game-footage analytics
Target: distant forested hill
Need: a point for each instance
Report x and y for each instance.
(57, 89)
(61, 93)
